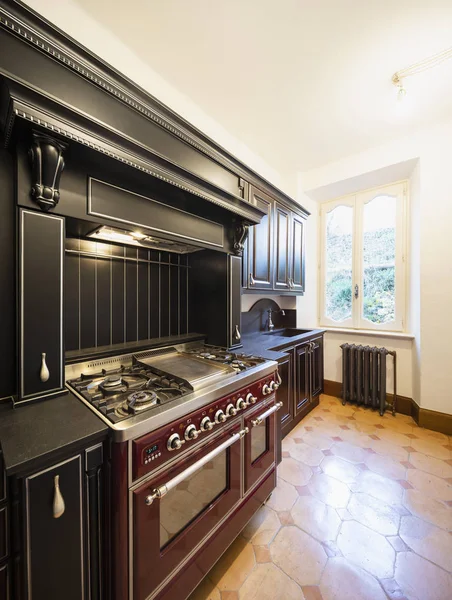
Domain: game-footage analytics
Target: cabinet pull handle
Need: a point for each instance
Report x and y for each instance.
(278, 378)
(252, 280)
(58, 501)
(44, 373)
(237, 334)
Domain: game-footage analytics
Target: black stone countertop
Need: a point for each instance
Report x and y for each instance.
(271, 346)
(31, 434)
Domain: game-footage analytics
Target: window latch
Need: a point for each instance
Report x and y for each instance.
(356, 290)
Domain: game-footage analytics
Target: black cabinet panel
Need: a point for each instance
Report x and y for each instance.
(55, 545)
(302, 389)
(282, 245)
(72, 302)
(4, 533)
(41, 302)
(285, 390)
(235, 266)
(297, 253)
(5, 585)
(87, 302)
(260, 244)
(103, 300)
(317, 366)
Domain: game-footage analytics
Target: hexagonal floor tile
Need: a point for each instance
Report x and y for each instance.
(430, 485)
(263, 527)
(420, 579)
(267, 582)
(340, 469)
(298, 555)
(386, 448)
(306, 454)
(316, 518)
(385, 466)
(379, 487)
(431, 448)
(428, 541)
(318, 440)
(294, 472)
(342, 580)
(374, 513)
(366, 549)
(428, 509)
(349, 452)
(283, 497)
(435, 466)
(231, 571)
(329, 490)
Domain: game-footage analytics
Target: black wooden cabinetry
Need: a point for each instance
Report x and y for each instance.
(5, 563)
(41, 248)
(50, 556)
(302, 381)
(274, 258)
(215, 297)
(259, 272)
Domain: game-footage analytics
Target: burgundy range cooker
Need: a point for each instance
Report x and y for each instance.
(193, 458)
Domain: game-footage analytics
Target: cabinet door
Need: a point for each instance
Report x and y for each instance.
(317, 366)
(235, 299)
(282, 247)
(285, 391)
(260, 250)
(297, 253)
(54, 546)
(303, 378)
(41, 304)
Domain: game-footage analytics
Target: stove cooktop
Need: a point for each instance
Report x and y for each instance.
(138, 384)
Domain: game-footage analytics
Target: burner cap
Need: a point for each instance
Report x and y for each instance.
(140, 398)
(112, 380)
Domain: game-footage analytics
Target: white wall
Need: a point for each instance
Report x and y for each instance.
(73, 20)
(431, 260)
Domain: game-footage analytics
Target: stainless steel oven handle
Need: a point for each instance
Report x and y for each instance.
(266, 414)
(162, 490)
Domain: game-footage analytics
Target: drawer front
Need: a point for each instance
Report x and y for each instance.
(54, 550)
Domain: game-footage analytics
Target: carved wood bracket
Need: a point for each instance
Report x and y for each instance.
(47, 160)
(240, 236)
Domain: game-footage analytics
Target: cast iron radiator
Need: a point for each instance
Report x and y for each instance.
(364, 376)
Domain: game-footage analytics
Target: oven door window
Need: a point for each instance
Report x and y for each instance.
(191, 497)
(259, 441)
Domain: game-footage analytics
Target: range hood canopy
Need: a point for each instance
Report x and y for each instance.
(139, 239)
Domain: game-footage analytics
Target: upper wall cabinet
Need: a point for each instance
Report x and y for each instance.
(260, 244)
(274, 257)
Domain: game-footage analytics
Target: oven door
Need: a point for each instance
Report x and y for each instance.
(260, 442)
(174, 511)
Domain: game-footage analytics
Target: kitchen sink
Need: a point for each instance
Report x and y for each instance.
(289, 332)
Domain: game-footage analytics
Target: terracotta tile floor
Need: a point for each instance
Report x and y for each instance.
(362, 511)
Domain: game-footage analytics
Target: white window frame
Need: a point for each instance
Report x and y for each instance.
(398, 190)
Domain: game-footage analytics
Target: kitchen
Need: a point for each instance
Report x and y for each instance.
(179, 340)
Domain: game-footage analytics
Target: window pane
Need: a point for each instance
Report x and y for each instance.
(339, 260)
(379, 230)
(258, 440)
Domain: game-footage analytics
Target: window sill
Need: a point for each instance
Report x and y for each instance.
(371, 333)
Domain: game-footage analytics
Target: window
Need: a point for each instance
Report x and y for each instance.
(362, 259)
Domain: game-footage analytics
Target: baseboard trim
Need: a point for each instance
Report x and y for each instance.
(430, 419)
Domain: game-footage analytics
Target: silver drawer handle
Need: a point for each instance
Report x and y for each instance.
(266, 414)
(278, 380)
(237, 334)
(162, 490)
(44, 373)
(58, 500)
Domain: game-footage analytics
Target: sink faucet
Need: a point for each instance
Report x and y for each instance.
(270, 324)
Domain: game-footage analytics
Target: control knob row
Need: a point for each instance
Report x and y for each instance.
(269, 388)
